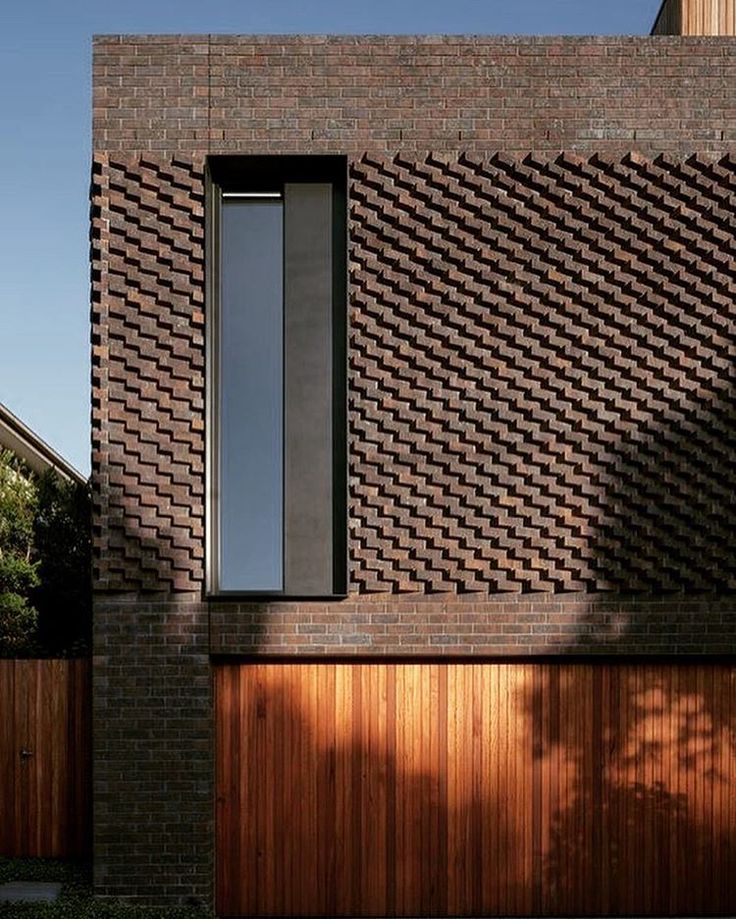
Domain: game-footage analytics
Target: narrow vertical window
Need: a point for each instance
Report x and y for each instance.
(252, 391)
(276, 396)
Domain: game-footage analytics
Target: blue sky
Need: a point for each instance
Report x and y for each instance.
(45, 153)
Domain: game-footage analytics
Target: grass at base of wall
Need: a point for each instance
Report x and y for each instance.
(76, 900)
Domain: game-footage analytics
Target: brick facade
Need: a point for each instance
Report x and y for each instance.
(148, 373)
(264, 94)
(541, 404)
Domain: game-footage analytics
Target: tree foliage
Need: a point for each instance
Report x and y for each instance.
(18, 565)
(45, 595)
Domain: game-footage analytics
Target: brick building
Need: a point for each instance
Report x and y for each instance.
(525, 390)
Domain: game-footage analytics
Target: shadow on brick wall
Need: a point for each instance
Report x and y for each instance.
(665, 549)
(670, 507)
(641, 750)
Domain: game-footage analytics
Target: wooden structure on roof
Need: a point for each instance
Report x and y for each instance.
(696, 17)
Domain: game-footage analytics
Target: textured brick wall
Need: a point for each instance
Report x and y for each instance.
(332, 94)
(540, 375)
(433, 626)
(147, 376)
(153, 737)
(540, 382)
(153, 744)
(542, 416)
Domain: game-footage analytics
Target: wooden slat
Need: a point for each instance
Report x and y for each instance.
(44, 797)
(24, 804)
(670, 18)
(408, 789)
(372, 789)
(697, 17)
(8, 757)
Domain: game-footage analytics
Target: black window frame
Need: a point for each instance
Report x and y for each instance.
(257, 175)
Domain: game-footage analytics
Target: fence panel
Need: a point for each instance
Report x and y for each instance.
(45, 758)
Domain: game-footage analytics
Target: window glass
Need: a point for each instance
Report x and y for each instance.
(251, 395)
(276, 377)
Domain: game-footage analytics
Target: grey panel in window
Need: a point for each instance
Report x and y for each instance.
(251, 396)
(308, 480)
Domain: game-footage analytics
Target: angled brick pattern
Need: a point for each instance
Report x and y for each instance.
(542, 374)
(148, 362)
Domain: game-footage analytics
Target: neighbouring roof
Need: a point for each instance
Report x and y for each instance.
(16, 436)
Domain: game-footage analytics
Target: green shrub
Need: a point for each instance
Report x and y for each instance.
(18, 501)
(18, 622)
(17, 575)
(45, 579)
(18, 567)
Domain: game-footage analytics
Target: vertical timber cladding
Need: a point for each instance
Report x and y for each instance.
(696, 17)
(466, 789)
(45, 742)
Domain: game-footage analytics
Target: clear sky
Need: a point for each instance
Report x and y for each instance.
(45, 153)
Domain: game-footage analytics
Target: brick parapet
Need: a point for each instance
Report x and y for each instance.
(330, 94)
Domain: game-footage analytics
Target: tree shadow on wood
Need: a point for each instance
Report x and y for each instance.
(333, 814)
(639, 755)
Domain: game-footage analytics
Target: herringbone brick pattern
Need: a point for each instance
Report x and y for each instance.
(148, 364)
(541, 374)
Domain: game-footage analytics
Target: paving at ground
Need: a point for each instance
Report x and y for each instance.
(29, 892)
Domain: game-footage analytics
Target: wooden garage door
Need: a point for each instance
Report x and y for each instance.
(470, 789)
